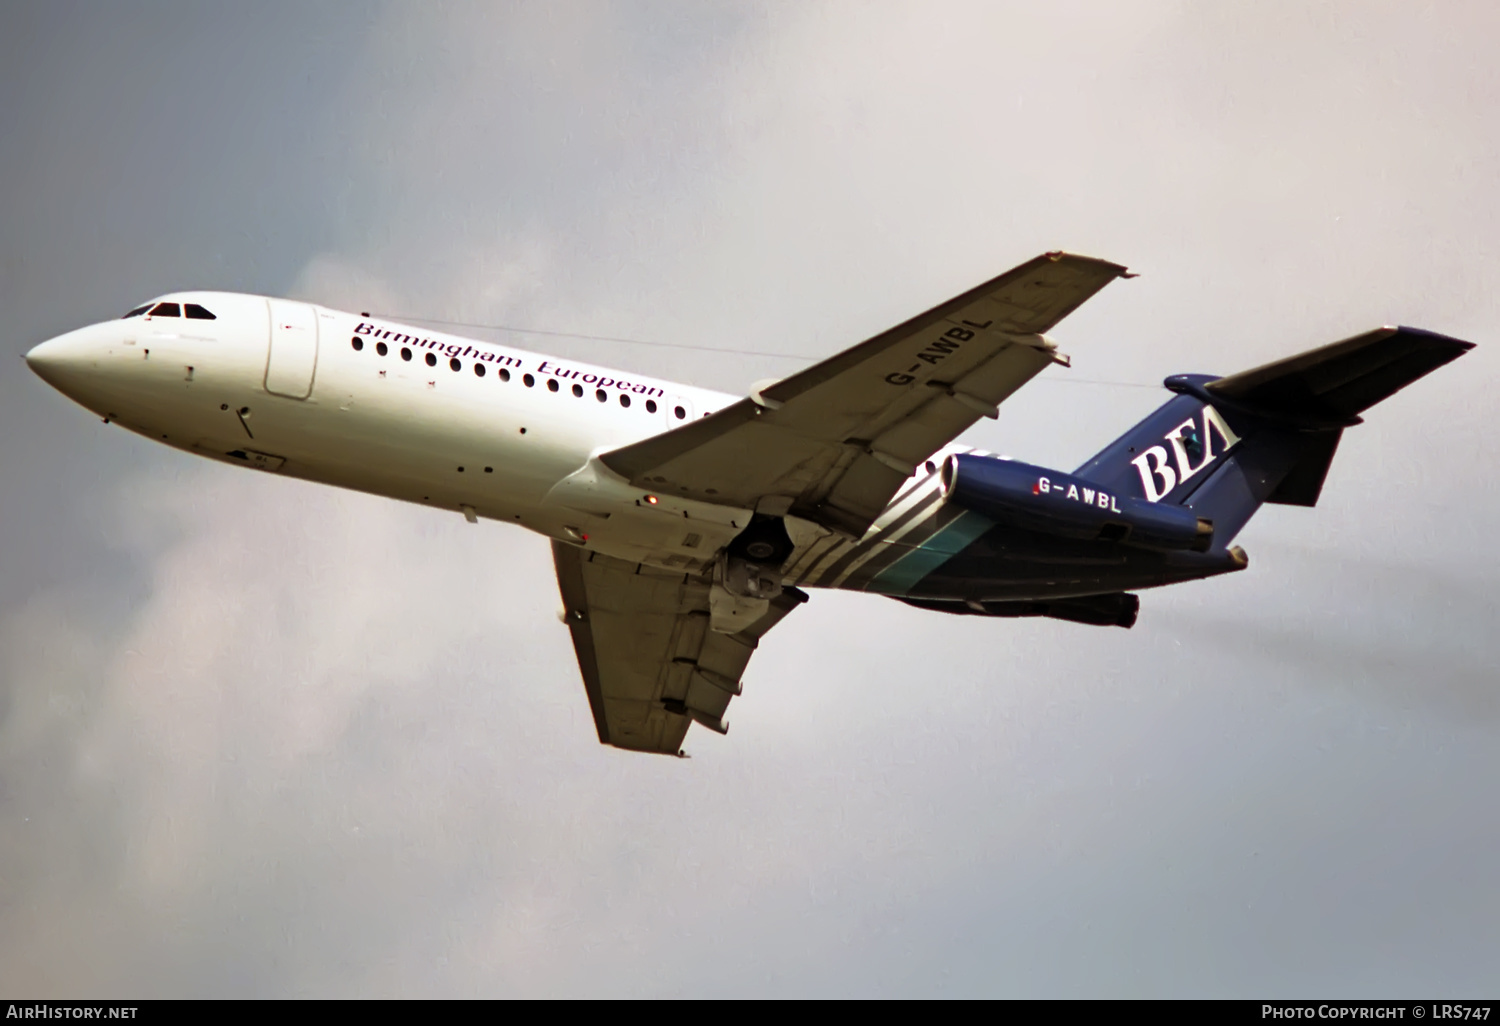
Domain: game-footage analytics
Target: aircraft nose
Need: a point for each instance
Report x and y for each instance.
(63, 362)
(44, 355)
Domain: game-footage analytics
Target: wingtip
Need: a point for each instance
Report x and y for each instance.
(1462, 345)
(1062, 254)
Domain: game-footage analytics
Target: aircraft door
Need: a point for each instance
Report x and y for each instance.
(293, 355)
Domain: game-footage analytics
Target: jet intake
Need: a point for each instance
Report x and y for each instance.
(1049, 502)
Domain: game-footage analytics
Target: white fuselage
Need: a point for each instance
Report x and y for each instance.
(364, 403)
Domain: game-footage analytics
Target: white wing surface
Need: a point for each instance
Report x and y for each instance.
(833, 443)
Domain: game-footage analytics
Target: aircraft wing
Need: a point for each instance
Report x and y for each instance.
(834, 442)
(650, 664)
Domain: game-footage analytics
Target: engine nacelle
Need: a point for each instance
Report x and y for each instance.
(1117, 609)
(1037, 499)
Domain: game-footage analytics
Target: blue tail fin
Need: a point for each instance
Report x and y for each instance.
(1224, 446)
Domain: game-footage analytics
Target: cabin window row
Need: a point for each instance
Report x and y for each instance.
(504, 374)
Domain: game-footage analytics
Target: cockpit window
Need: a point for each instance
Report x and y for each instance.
(165, 310)
(137, 311)
(198, 313)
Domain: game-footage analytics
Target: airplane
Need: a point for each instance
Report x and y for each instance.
(686, 523)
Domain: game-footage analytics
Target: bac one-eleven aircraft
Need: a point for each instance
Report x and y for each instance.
(685, 523)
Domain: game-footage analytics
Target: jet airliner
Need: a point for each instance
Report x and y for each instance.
(686, 523)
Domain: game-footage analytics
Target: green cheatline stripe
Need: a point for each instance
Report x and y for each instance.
(902, 575)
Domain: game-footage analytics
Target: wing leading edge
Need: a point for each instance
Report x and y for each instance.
(833, 443)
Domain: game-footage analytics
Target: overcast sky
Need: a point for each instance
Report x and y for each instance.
(260, 737)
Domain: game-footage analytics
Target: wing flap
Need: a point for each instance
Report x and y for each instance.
(953, 404)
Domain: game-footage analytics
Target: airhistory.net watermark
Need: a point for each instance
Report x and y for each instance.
(40, 1010)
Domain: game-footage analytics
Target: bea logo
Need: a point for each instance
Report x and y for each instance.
(1192, 451)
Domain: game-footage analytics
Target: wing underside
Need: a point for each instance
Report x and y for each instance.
(651, 666)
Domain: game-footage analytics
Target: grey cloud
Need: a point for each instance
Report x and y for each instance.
(1328, 618)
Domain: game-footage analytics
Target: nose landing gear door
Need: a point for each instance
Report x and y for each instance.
(293, 355)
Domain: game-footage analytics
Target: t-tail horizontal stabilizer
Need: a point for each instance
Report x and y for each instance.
(1223, 446)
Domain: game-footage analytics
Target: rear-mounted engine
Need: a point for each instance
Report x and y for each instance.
(1036, 499)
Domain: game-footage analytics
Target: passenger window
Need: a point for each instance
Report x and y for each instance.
(198, 313)
(552, 384)
(601, 395)
(165, 310)
(680, 413)
(625, 401)
(431, 359)
(406, 354)
(453, 364)
(528, 380)
(478, 369)
(137, 311)
(578, 391)
(357, 342)
(382, 348)
(504, 373)
(650, 405)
